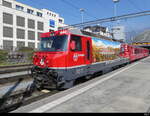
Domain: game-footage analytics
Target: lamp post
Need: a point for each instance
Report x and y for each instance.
(115, 14)
(82, 13)
(115, 7)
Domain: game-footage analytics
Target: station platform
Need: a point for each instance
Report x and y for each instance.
(124, 90)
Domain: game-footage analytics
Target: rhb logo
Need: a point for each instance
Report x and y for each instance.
(42, 61)
(75, 57)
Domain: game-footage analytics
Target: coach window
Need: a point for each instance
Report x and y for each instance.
(77, 40)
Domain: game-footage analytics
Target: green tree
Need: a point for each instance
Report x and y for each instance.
(3, 56)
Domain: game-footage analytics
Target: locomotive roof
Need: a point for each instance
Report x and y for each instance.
(89, 34)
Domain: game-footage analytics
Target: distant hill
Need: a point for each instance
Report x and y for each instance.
(143, 37)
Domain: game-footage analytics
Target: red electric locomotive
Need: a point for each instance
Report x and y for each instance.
(66, 55)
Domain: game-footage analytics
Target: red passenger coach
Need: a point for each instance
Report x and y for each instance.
(133, 52)
(69, 54)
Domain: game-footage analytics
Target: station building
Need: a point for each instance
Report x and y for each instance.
(21, 25)
(119, 32)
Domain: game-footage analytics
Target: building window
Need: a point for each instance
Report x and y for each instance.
(20, 21)
(52, 23)
(20, 34)
(38, 45)
(7, 4)
(31, 45)
(7, 18)
(31, 23)
(39, 14)
(60, 21)
(40, 26)
(31, 35)
(30, 11)
(19, 7)
(20, 44)
(39, 36)
(7, 44)
(7, 32)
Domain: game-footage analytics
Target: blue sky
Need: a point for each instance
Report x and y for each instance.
(95, 9)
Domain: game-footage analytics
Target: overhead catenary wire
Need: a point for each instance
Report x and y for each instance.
(134, 5)
(132, 30)
(126, 16)
(100, 4)
(77, 8)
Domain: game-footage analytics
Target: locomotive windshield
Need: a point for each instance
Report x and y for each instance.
(54, 43)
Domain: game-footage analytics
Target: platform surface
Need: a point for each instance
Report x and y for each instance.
(124, 90)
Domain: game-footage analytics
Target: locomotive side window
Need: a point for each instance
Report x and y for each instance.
(88, 50)
(77, 40)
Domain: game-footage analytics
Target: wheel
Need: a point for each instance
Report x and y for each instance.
(88, 77)
(66, 85)
(38, 85)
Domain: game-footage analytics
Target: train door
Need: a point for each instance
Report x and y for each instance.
(88, 51)
(76, 52)
(87, 47)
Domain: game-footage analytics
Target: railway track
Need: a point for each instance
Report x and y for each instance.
(15, 83)
(12, 66)
(12, 74)
(22, 97)
(17, 89)
(14, 92)
(18, 68)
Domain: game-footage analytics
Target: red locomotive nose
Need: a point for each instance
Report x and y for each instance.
(40, 60)
(49, 59)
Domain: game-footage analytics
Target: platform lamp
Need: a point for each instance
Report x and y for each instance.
(82, 13)
(115, 7)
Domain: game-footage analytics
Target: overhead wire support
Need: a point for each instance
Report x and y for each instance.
(132, 15)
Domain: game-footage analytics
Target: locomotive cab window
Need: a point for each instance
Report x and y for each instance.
(77, 43)
(54, 43)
